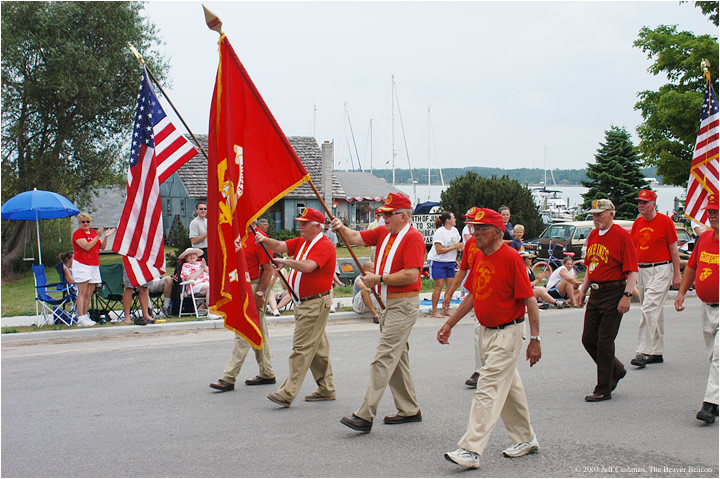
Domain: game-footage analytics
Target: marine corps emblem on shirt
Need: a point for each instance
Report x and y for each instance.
(644, 239)
(484, 271)
(706, 273)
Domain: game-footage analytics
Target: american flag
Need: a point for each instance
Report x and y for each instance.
(158, 149)
(704, 170)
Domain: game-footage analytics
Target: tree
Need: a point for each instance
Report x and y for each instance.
(671, 114)
(471, 190)
(69, 87)
(615, 174)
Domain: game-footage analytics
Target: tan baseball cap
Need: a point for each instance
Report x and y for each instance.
(598, 206)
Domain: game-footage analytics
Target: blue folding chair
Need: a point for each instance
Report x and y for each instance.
(54, 309)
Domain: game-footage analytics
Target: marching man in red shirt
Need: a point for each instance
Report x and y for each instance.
(311, 276)
(659, 262)
(399, 259)
(703, 269)
(611, 274)
(500, 292)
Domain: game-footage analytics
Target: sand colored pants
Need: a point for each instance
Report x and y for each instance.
(710, 334)
(311, 349)
(653, 284)
(500, 392)
(391, 366)
(478, 347)
(241, 348)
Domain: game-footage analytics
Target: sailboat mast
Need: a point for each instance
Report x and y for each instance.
(392, 92)
(429, 153)
(371, 144)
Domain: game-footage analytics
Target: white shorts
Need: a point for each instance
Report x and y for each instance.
(359, 305)
(83, 273)
(197, 287)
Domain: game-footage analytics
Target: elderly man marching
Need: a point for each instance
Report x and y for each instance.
(311, 276)
(611, 274)
(261, 272)
(500, 292)
(703, 269)
(659, 263)
(398, 262)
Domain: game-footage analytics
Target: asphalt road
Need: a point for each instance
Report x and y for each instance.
(139, 405)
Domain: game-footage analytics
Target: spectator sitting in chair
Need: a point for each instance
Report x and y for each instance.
(67, 259)
(192, 269)
(363, 300)
(162, 284)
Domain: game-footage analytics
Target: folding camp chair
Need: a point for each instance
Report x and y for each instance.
(53, 309)
(155, 305)
(60, 268)
(109, 294)
(187, 293)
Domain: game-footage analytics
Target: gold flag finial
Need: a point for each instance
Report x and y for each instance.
(212, 20)
(136, 53)
(705, 64)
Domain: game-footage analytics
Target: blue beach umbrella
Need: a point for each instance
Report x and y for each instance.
(38, 205)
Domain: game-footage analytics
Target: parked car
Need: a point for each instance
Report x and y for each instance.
(570, 237)
(683, 235)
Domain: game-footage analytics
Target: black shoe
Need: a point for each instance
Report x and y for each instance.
(708, 412)
(398, 419)
(140, 322)
(376, 320)
(357, 423)
(640, 360)
(544, 306)
(472, 380)
(616, 381)
(598, 397)
(222, 386)
(257, 380)
(653, 358)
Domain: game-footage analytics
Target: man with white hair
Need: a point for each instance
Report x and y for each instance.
(311, 276)
(659, 263)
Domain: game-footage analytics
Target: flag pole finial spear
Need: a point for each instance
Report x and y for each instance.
(136, 53)
(212, 21)
(705, 64)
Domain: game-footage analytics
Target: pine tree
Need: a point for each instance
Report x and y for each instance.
(615, 174)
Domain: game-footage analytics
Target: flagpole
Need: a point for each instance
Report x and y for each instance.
(342, 237)
(282, 277)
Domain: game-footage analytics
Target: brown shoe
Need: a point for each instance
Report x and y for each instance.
(472, 380)
(278, 399)
(222, 386)
(598, 397)
(257, 380)
(398, 419)
(317, 397)
(357, 423)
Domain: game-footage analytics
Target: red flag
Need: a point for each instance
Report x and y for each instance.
(251, 165)
(158, 149)
(704, 170)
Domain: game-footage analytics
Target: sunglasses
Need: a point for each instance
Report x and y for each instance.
(85, 221)
(202, 209)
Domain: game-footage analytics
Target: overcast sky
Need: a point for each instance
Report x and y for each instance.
(503, 80)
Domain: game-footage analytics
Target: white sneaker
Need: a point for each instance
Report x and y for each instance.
(332, 309)
(522, 449)
(84, 321)
(463, 457)
(559, 304)
(276, 313)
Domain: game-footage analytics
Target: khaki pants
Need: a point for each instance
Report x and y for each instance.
(311, 350)
(241, 348)
(653, 284)
(710, 334)
(478, 347)
(500, 391)
(391, 366)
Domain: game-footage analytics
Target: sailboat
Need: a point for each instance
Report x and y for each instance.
(552, 207)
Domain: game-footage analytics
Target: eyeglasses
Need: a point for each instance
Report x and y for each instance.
(85, 221)
(392, 213)
(202, 209)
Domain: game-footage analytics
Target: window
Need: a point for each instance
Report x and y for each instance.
(168, 205)
(182, 207)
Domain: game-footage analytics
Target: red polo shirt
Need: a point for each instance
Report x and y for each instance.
(652, 238)
(323, 253)
(254, 255)
(409, 254)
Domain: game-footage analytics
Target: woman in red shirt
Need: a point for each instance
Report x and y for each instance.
(86, 263)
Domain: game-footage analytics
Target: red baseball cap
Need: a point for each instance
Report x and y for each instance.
(712, 203)
(647, 195)
(486, 216)
(396, 201)
(471, 212)
(310, 214)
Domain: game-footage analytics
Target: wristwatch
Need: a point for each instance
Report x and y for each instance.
(381, 279)
(536, 338)
(260, 293)
(626, 294)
